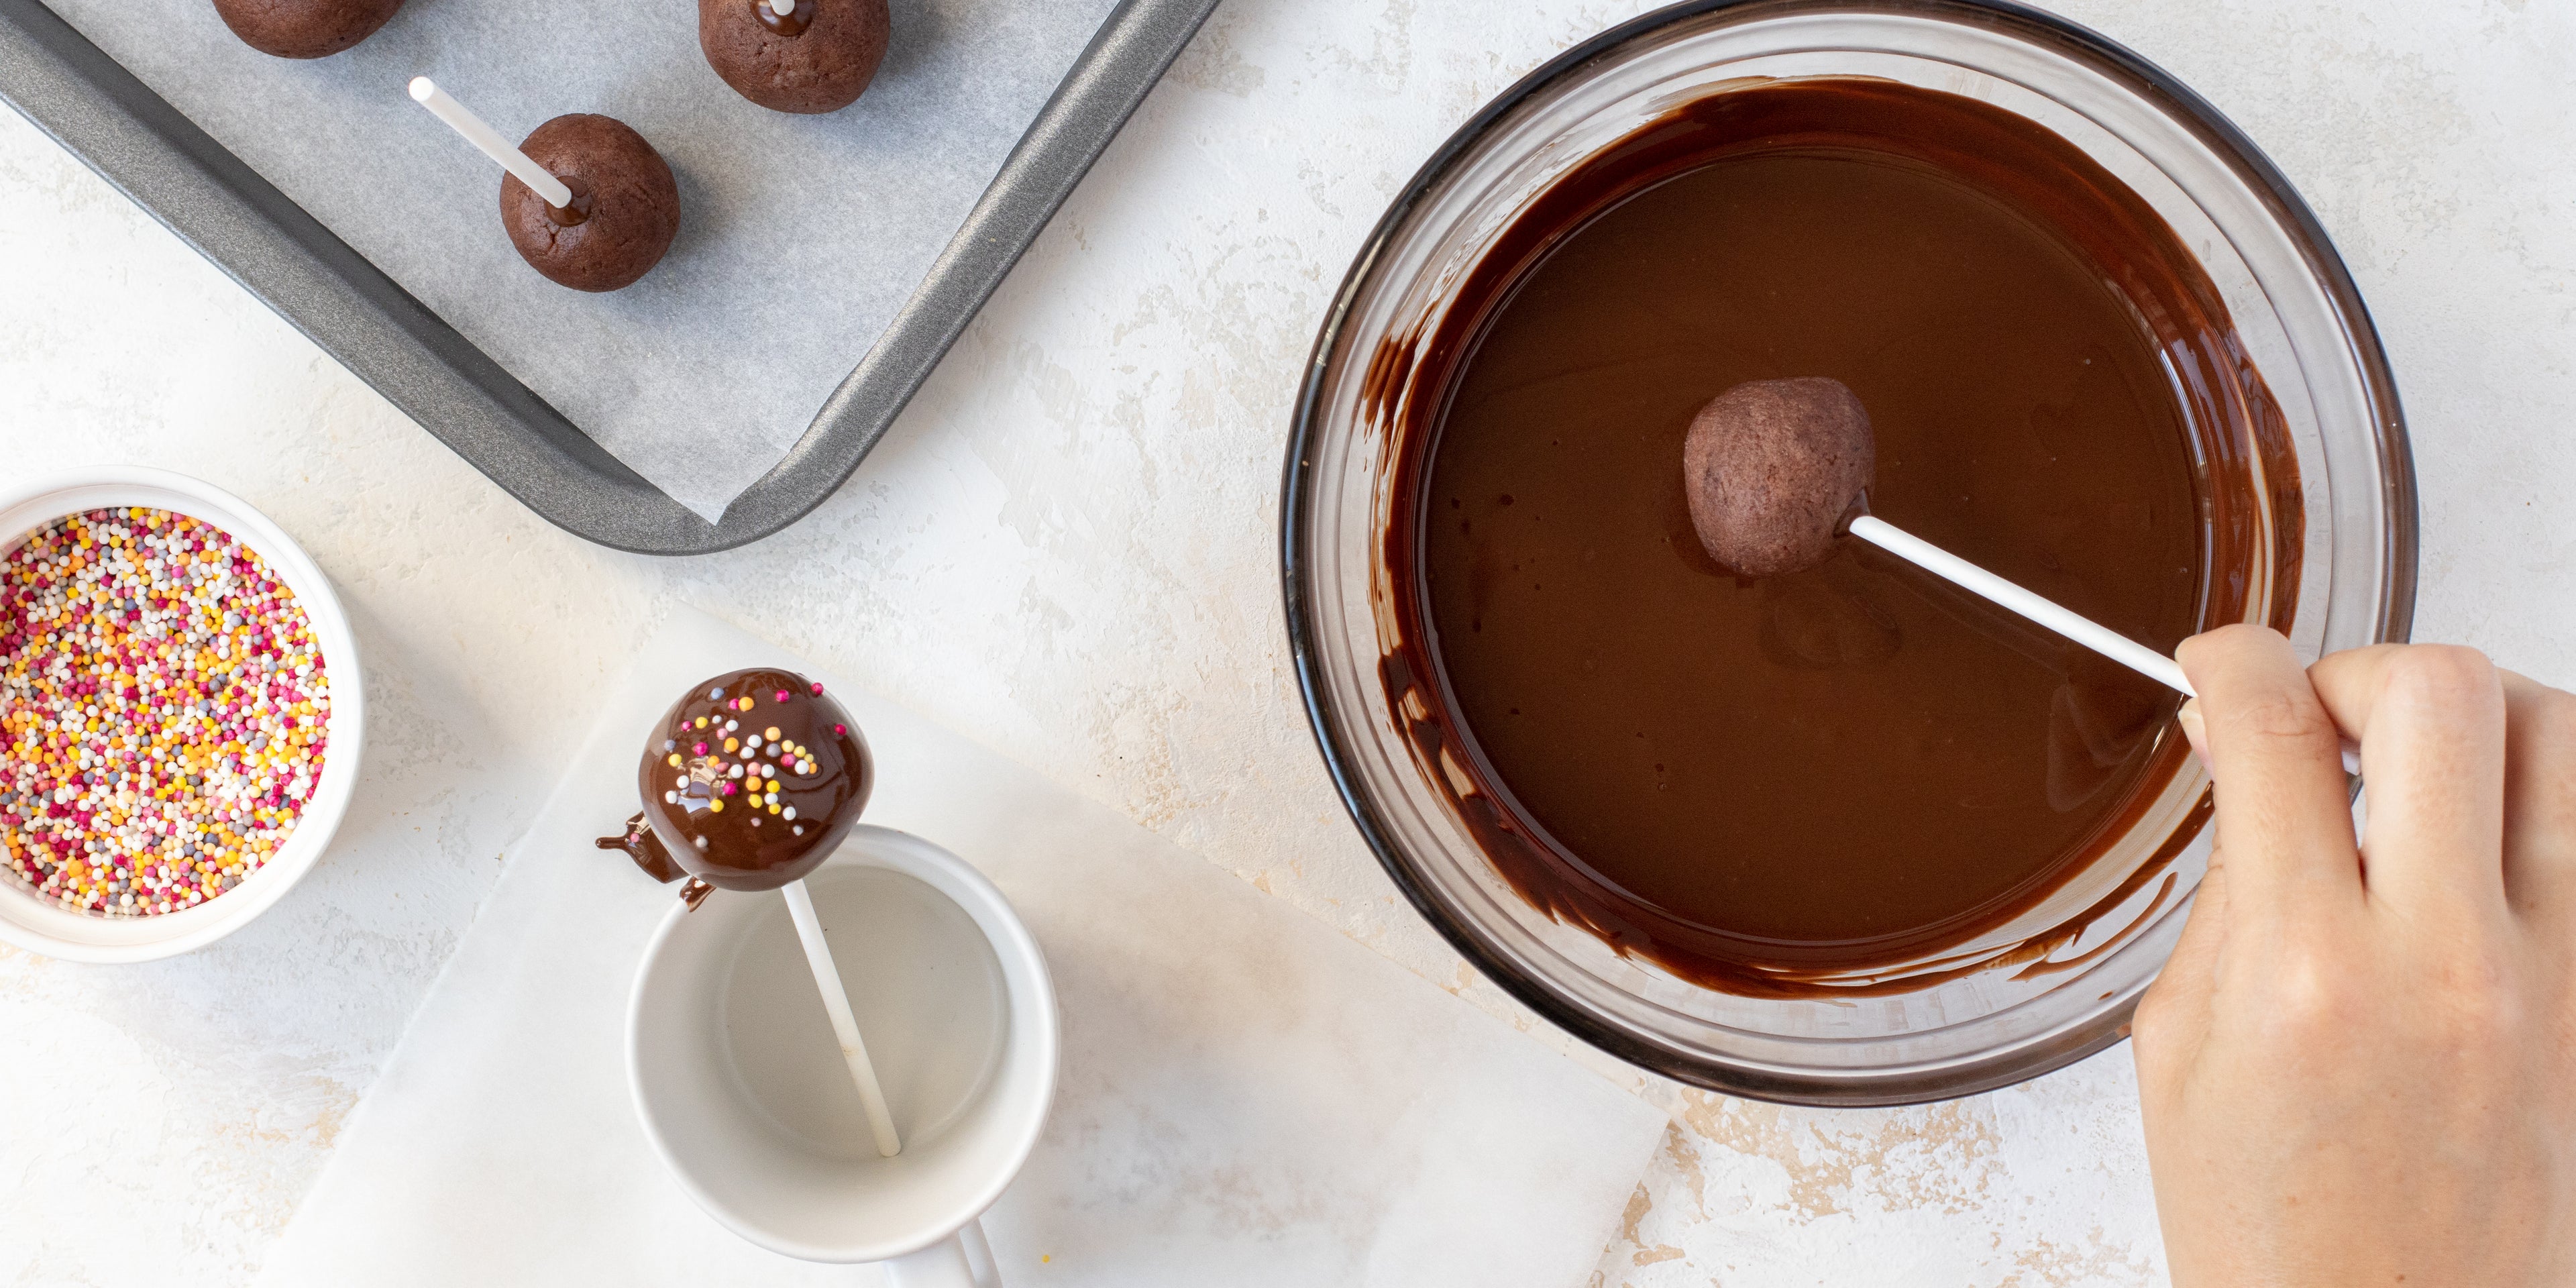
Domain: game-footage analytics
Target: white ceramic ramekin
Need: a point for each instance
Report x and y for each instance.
(41, 926)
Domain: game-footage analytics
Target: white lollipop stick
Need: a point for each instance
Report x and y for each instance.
(493, 145)
(836, 1003)
(2109, 643)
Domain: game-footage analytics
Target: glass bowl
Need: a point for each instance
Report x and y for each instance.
(2036, 1000)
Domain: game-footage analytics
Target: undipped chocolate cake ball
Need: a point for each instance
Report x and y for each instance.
(750, 782)
(625, 208)
(304, 28)
(1771, 467)
(818, 58)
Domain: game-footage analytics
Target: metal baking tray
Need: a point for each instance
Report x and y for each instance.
(134, 139)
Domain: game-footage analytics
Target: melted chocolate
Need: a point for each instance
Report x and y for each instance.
(791, 24)
(1765, 784)
(579, 211)
(749, 783)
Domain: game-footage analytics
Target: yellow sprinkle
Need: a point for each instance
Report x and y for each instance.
(771, 733)
(773, 804)
(675, 759)
(746, 702)
(716, 806)
(732, 743)
(702, 722)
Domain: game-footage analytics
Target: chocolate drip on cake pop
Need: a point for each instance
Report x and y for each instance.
(750, 782)
(819, 58)
(304, 28)
(624, 214)
(1772, 468)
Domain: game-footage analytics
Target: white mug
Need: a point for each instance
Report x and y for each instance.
(742, 1088)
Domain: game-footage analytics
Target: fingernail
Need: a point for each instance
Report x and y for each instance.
(2192, 730)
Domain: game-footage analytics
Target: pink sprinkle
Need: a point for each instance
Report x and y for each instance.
(782, 695)
(840, 731)
(818, 688)
(702, 749)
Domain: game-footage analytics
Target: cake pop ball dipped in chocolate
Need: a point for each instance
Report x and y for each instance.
(749, 782)
(1773, 468)
(817, 57)
(625, 207)
(304, 28)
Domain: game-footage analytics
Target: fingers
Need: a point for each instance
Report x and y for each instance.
(2284, 820)
(2431, 721)
(2539, 799)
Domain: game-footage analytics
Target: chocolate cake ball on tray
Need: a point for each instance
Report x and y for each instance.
(816, 56)
(304, 28)
(625, 209)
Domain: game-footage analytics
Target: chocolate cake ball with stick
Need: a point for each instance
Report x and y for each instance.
(805, 56)
(1772, 468)
(586, 201)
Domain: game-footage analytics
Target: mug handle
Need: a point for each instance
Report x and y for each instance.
(962, 1260)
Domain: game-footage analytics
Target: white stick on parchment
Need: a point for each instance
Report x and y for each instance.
(493, 145)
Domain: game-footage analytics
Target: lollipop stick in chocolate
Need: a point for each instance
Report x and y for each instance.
(1775, 470)
(845, 1026)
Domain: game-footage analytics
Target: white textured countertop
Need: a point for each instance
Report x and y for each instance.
(1065, 551)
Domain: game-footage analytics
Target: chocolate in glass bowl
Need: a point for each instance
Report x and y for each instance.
(2283, 444)
(1755, 782)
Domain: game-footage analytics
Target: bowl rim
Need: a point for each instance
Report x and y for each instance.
(1297, 578)
(327, 805)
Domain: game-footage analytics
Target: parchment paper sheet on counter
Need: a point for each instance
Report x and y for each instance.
(1248, 1098)
(800, 236)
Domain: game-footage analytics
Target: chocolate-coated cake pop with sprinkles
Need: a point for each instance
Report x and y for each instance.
(749, 782)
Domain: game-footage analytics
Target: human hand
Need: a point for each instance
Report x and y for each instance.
(2359, 1066)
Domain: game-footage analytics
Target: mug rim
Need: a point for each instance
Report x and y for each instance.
(868, 845)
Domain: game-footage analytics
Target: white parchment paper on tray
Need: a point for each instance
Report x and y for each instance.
(1249, 1099)
(800, 236)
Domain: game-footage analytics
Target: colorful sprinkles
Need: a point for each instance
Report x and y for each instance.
(707, 780)
(164, 708)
